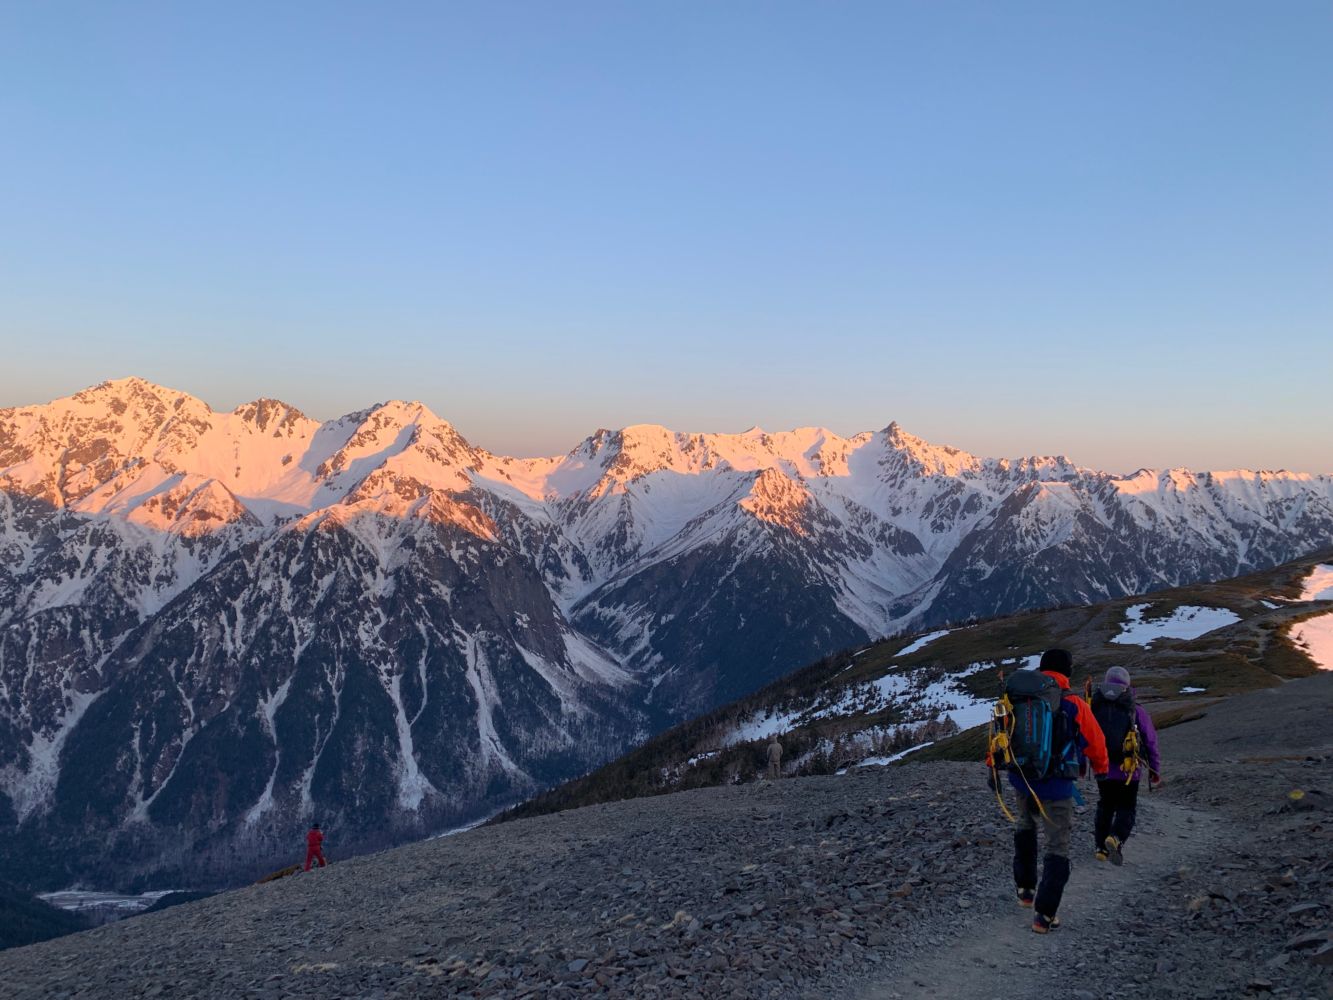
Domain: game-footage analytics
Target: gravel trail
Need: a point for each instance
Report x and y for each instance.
(877, 884)
(1001, 957)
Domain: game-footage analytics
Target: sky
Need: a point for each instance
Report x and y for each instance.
(1098, 230)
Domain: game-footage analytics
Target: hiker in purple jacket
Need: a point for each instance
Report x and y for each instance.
(1117, 713)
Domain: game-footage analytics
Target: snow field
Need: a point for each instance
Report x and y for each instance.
(922, 699)
(1319, 584)
(1186, 622)
(922, 643)
(1314, 637)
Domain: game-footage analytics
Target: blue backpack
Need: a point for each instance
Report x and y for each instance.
(1041, 742)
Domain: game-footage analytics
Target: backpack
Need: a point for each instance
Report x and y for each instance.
(1042, 743)
(1113, 708)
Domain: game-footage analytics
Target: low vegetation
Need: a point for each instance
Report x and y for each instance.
(1255, 652)
(25, 919)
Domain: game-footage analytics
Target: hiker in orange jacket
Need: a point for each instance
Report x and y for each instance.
(314, 846)
(1051, 798)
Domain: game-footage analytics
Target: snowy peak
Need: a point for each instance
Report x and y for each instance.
(641, 450)
(171, 502)
(906, 451)
(123, 394)
(127, 434)
(382, 519)
(777, 500)
(389, 430)
(274, 417)
(398, 440)
(64, 450)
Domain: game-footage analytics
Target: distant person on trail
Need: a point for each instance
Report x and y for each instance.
(775, 759)
(1131, 742)
(1072, 739)
(314, 846)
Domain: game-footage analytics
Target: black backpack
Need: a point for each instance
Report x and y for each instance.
(1113, 708)
(1041, 742)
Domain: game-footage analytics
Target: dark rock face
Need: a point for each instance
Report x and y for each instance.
(298, 679)
(217, 627)
(721, 624)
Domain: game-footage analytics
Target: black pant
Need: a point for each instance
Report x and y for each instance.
(1057, 819)
(1117, 806)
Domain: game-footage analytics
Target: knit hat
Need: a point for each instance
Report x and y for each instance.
(1058, 661)
(1118, 675)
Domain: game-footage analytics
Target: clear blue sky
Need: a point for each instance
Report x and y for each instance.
(1098, 229)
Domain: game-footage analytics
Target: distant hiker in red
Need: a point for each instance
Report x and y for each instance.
(314, 847)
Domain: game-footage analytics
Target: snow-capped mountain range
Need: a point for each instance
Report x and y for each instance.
(214, 626)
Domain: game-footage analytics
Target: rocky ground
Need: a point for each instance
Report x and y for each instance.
(877, 884)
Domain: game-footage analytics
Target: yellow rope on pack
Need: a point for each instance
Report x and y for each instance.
(1001, 753)
(1001, 727)
(1133, 757)
(1035, 797)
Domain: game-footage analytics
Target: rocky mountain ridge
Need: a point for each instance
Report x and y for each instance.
(214, 626)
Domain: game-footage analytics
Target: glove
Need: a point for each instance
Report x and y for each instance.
(1156, 781)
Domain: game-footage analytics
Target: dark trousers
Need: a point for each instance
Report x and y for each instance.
(1057, 824)
(1117, 806)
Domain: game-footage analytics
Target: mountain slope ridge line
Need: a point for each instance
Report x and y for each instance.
(879, 884)
(181, 565)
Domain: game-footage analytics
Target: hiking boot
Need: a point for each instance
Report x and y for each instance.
(1043, 924)
(1099, 854)
(1112, 846)
(1026, 897)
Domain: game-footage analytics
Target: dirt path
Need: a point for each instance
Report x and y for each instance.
(999, 956)
(881, 883)
(1227, 889)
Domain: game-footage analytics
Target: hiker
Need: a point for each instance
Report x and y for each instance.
(1073, 740)
(775, 759)
(1131, 742)
(314, 846)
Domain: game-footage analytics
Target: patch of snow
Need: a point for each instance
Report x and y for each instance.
(592, 663)
(963, 709)
(487, 696)
(465, 827)
(1185, 622)
(920, 699)
(874, 761)
(923, 642)
(1270, 605)
(268, 708)
(1314, 637)
(82, 900)
(1319, 584)
(31, 789)
(413, 786)
(767, 726)
(1192, 690)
